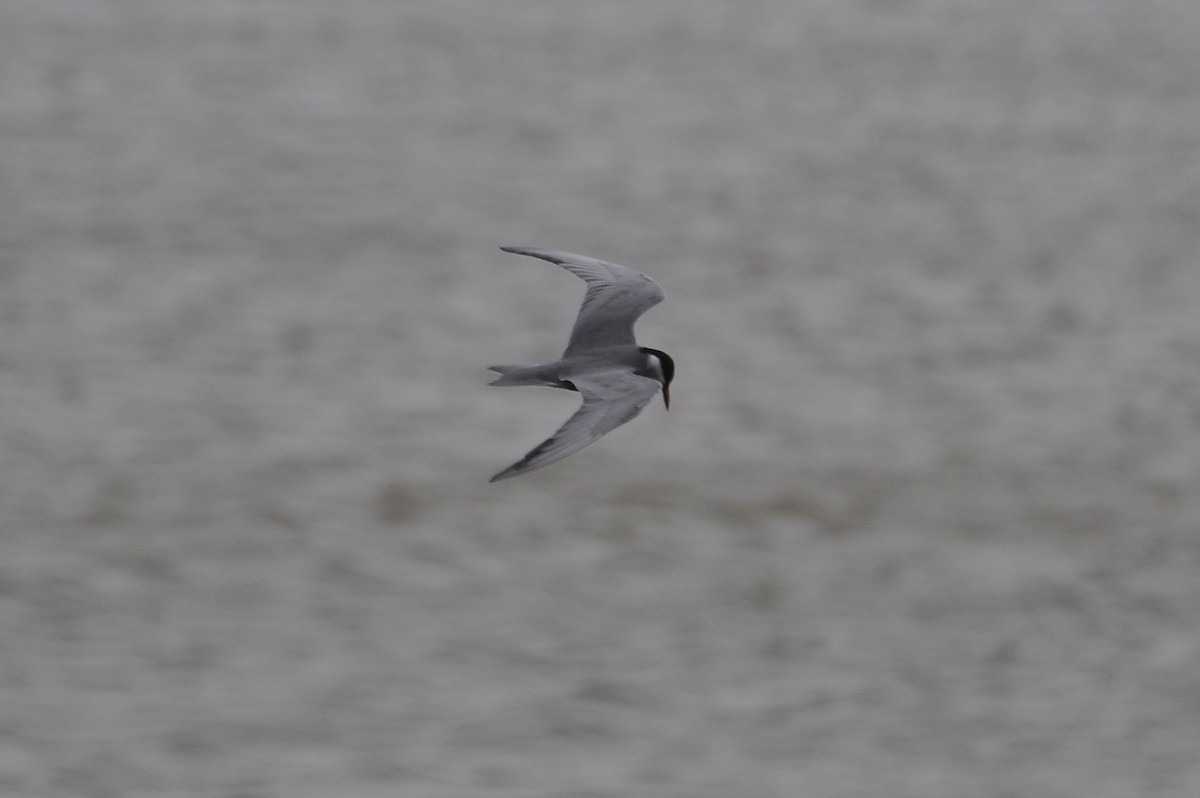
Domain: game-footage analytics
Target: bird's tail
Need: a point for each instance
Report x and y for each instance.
(517, 375)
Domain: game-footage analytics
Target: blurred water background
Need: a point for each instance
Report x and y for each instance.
(922, 521)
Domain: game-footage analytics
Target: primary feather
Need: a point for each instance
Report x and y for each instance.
(616, 296)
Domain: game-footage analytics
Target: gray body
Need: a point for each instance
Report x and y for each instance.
(602, 361)
(555, 373)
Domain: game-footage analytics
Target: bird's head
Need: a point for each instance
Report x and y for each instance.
(661, 367)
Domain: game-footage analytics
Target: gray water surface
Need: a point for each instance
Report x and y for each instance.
(923, 518)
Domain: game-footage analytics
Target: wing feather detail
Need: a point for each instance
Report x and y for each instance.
(616, 296)
(610, 398)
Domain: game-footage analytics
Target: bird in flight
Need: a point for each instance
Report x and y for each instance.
(602, 361)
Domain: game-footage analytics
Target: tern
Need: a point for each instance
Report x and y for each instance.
(602, 361)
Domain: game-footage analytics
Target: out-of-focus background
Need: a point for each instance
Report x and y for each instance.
(923, 520)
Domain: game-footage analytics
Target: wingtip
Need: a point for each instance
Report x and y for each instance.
(534, 252)
(505, 474)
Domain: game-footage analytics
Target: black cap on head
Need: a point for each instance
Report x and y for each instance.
(667, 364)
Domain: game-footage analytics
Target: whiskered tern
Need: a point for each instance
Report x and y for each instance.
(602, 361)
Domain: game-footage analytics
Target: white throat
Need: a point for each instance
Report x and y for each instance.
(654, 364)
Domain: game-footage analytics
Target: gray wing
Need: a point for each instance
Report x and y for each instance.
(616, 296)
(610, 398)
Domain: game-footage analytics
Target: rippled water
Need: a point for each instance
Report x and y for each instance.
(922, 520)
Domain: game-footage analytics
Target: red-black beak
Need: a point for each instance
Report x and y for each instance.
(667, 396)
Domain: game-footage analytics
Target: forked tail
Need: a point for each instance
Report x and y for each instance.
(514, 375)
(528, 375)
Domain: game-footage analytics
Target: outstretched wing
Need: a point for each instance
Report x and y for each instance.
(616, 296)
(610, 398)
